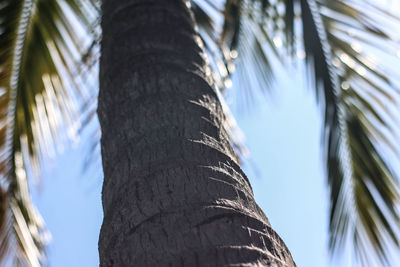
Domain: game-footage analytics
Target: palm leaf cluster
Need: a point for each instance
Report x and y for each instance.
(42, 78)
(49, 50)
(350, 49)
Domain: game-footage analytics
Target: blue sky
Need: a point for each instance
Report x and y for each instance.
(283, 135)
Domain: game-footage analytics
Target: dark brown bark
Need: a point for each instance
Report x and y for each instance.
(173, 192)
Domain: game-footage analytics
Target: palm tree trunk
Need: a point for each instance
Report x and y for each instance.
(173, 192)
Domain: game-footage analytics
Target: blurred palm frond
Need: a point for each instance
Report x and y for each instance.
(350, 49)
(45, 55)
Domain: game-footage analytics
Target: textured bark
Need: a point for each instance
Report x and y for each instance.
(173, 192)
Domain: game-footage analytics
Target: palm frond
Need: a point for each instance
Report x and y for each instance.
(41, 70)
(364, 197)
(359, 100)
(350, 49)
(236, 27)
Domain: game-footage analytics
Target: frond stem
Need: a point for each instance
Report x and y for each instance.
(347, 189)
(23, 26)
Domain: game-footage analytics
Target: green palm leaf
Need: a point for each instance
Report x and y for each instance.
(41, 68)
(368, 95)
(342, 41)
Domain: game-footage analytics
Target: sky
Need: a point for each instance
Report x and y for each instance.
(283, 136)
(282, 133)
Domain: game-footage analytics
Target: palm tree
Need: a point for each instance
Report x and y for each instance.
(45, 63)
(173, 192)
